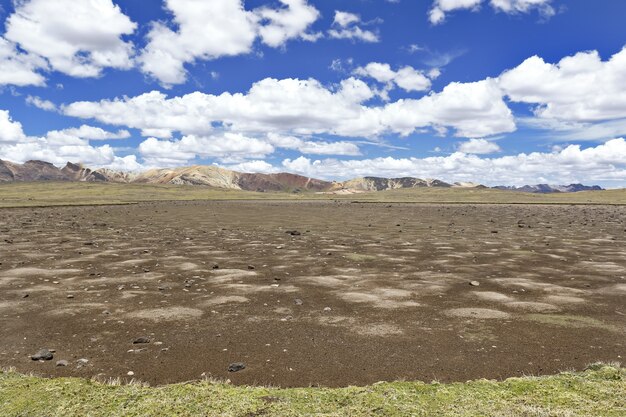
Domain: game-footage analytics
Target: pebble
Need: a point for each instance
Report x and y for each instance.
(327, 309)
(298, 302)
(43, 354)
(236, 367)
(70, 296)
(62, 362)
(130, 373)
(141, 340)
(474, 283)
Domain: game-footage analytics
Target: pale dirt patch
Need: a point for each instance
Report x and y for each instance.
(563, 299)
(75, 309)
(477, 313)
(37, 272)
(166, 314)
(377, 330)
(378, 299)
(493, 296)
(226, 299)
(533, 307)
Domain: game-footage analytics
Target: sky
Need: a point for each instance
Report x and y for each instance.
(498, 92)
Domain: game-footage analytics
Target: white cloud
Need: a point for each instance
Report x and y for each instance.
(228, 147)
(212, 29)
(78, 38)
(478, 146)
(347, 26)
(579, 88)
(313, 147)
(38, 102)
(287, 23)
(605, 163)
(407, 78)
(56, 147)
(441, 8)
(256, 166)
(17, 68)
(10, 131)
(306, 107)
(90, 133)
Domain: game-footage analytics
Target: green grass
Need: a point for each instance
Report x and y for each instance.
(599, 391)
(19, 194)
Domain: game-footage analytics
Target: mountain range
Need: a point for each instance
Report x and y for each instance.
(216, 177)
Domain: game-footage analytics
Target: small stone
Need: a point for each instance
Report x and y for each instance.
(474, 283)
(215, 266)
(251, 267)
(293, 232)
(62, 362)
(25, 295)
(141, 341)
(70, 296)
(298, 302)
(82, 361)
(327, 309)
(43, 354)
(236, 367)
(130, 373)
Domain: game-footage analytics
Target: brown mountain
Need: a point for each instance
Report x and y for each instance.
(208, 175)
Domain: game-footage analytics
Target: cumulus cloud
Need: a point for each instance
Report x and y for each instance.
(306, 107)
(228, 147)
(40, 103)
(348, 26)
(90, 133)
(313, 147)
(10, 131)
(407, 78)
(212, 29)
(441, 8)
(604, 163)
(256, 166)
(57, 147)
(78, 38)
(478, 146)
(18, 68)
(579, 88)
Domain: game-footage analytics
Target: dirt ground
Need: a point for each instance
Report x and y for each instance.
(365, 292)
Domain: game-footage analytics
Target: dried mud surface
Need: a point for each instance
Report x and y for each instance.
(365, 292)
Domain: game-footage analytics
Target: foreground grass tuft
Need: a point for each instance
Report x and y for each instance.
(599, 391)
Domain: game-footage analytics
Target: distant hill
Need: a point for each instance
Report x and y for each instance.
(546, 188)
(216, 177)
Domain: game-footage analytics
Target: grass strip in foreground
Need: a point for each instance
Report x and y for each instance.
(599, 391)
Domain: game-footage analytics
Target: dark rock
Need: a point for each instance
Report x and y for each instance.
(236, 367)
(215, 266)
(43, 354)
(141, 340)
(293, 232)
(251, 267)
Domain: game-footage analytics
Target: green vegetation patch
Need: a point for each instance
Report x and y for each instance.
(597, 391)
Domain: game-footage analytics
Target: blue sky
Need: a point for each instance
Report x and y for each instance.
(490, 91)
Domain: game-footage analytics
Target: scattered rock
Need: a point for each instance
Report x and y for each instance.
(25, 295)
(236, 367)
(130, 373)
(474, 283)
(327, 309)
(251, 267)
(70, 296)
(62, 362)
(82, 361)
(215, 266)
(298, 302)
(42, 355)
(293, 232)
(141, 341)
